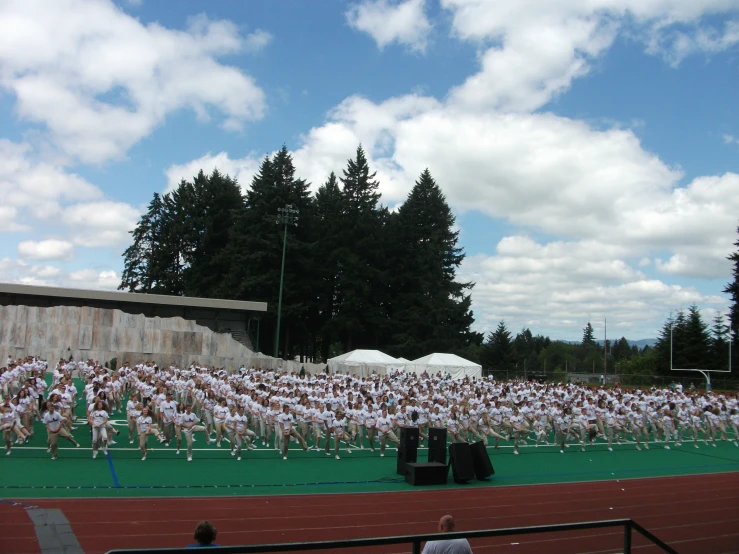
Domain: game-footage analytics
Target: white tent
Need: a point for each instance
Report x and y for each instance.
(363, 363)
(457, 367)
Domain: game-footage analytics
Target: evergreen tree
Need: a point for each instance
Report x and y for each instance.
(214, 205)
(732, 289)
(155, 262)
(137, 271)
(497, 352)
(254, 252)
(430, 310)
(588, 336)
(328, 225)
(719, 345)
(361, 315)
(697, 341)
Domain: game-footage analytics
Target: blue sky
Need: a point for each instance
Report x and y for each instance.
(589, 149)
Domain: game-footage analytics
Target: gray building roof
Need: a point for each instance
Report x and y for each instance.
(130, 297)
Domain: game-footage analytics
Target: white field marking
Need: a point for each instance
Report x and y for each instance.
(353, 449)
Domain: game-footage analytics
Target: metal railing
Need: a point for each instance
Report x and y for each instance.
(628, 526)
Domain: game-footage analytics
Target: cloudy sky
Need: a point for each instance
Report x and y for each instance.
(590, 148)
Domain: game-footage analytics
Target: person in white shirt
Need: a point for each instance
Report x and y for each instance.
(53, 420)
(238, 424)
(327, 417)
(287, 428)
(517, 426)
(451, 546)
(168, 411)
(384, 426)
(370, 420)
(220, 413)
(188, 422)
(146, 428)
(133, 410)
(98, 419)
(338, 430)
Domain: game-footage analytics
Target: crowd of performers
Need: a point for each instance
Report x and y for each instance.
(254, 408)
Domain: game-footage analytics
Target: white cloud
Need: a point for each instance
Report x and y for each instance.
(51, 249)
(19, 271)
(94, 279)
(674, 45)
(45, 271)
(102, 223)
(389, 21)
(556, 288)
(729, 139)
(242, 169)
(534, 49)
(44, 196)
(256, 41)
(102, 80)
(37, 188)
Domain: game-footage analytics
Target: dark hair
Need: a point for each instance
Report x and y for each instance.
(205, 533)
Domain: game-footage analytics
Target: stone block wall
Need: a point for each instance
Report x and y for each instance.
(103, 334)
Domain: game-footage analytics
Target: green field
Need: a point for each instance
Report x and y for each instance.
(30, 473)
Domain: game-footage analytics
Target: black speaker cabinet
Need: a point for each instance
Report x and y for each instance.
(407, 448)
(426, 474)
(460, 457)
(437, 445)
(409, 438)
(481, 461)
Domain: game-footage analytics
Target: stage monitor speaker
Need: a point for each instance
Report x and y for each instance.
(437, 445)
(460, 457)
(426, 474)
(481, 461)
(407, 448)
(409, 438)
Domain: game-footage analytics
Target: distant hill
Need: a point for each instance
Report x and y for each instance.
(641, 343)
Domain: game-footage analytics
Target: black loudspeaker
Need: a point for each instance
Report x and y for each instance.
(409, 438)
(460, 457)
(437, 445)
(481, 461)
(407, 448)
(426, 474)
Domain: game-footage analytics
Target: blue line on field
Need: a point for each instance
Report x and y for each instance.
(116, 484)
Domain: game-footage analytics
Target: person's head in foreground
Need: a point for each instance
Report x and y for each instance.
(448, 546)
(446, 524)
(205, 533)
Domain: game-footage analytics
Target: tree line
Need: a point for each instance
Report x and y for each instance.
(685, 342)
(357, 275)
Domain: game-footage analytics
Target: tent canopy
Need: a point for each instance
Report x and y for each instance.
(363, 363)
(457, 367)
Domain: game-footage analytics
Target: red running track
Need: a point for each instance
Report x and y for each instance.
(694, 514)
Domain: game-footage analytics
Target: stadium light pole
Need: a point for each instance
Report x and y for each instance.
(287, 216)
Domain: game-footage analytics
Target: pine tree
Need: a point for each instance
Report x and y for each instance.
(732, 289)
(154, 263)
(719, 344)
(254, 252)
(430, 310)
(588, 336)
(497, 352)
(136, 276)
(697, 341)
(361, 316)
(214, 205)
(328, 226)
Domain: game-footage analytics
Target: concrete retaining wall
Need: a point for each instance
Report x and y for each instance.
(103, 334)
